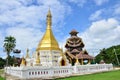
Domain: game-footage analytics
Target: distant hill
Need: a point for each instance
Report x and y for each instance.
(108, 55)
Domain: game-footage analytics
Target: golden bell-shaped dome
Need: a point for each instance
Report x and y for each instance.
(48, 42)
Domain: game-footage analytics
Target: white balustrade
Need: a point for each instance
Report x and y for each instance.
(56, 71)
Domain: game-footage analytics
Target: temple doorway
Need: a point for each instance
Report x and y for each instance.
(62, 62)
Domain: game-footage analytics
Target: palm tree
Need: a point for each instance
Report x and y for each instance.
(9, 45)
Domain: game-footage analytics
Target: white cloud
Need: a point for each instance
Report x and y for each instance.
(1, 40)
(63, 42)
(31, 13)
(1, 36)
(81, 3)
(25, 19)
(102, 34)
(117, 9)
(78, 2)
(100, 2)
(96, 15)
(101, 26)
(106, 12)
(26, 37)
(8, 5)
(1, 46)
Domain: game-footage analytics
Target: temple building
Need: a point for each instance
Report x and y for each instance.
(50, 62)
(75, 52)
(48, 46)
(48, 52)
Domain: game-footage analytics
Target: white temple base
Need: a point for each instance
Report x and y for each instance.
(29, 72)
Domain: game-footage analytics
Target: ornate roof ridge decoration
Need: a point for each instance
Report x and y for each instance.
(75, 50)
(85, 52)
(73, 32)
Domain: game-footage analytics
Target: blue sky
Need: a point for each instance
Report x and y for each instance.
(97, 21)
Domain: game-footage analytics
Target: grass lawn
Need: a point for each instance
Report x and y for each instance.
(1, 72)
(112, 75)
(2, 78)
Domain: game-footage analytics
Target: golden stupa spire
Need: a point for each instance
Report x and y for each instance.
(27, 54)
(77, 62)
(48, 42)
(49, 20)
(37, 58)
(23, 62)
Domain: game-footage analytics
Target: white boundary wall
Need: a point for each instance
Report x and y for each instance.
(58, 71)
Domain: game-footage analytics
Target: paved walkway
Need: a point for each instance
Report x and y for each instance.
(117, 68)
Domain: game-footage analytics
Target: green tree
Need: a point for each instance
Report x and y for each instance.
(108, 55)
(2, 63)
(9, 45)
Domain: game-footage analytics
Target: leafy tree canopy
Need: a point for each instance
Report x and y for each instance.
(108, 55)
(2, 63)
(9, 45)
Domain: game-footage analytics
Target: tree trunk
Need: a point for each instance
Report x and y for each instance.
(7, 59)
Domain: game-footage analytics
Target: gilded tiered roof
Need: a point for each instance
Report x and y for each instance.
(48, 42)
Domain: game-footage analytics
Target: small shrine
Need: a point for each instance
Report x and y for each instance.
(75, 52)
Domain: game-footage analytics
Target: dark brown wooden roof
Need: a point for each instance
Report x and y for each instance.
(81, 55)
(69, 54)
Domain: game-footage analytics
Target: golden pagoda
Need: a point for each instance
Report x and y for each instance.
(48, 42)
(23, 62)
(77, 62)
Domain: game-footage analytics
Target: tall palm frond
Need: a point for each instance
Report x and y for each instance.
(9, 44)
